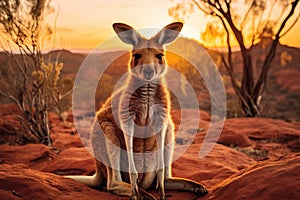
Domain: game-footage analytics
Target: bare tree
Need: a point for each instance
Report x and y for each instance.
(26, 79)
(246, 30)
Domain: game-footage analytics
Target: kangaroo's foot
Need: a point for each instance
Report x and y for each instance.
(134, 193)
(185, 185)
(161, 192)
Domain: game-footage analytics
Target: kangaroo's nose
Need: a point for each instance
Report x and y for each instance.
(148, 73)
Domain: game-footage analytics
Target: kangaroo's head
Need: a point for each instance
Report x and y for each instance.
(148, 56)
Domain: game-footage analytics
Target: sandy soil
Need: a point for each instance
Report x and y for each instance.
(253, 159)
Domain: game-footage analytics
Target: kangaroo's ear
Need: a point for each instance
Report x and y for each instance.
(169, 33)
(127, 34)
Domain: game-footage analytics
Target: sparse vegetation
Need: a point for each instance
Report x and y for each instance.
(27, 79)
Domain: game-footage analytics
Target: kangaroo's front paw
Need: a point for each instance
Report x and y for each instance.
(134, 198)
(162, 198)
(135, 194)
(160, 189)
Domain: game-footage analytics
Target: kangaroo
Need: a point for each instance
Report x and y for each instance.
(136, 119)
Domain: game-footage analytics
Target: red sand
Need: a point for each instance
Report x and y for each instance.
(256, 159)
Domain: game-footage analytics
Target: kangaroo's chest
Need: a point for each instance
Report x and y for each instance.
(146, 106)
(142, 106)
(141, 114)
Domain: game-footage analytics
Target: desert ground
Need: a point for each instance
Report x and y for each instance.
(254, 158)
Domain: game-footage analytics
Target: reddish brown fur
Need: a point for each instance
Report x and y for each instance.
(137, 119)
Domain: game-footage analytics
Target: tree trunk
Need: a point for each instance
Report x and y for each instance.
(249, 106)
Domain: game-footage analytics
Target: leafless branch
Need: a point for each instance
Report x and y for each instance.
(208, 12)
(261, 83)
(291, 26)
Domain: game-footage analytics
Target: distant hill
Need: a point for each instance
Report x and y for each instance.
(71, 61)
(281, 99)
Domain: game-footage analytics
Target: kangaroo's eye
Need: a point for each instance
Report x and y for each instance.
(159, 56)
(136, 56)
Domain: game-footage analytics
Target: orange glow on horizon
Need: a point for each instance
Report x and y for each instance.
(83, 25)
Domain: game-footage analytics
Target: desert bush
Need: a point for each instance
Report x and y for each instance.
(27, 80)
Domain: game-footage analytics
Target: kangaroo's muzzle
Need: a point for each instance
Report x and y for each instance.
(148, 73)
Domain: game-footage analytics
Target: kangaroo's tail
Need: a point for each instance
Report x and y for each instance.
(93, 181)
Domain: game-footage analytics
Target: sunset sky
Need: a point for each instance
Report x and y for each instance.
(84, 24)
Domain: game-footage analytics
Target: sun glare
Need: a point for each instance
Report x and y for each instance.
(83, 25)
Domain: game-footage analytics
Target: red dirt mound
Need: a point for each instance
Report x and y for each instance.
(20, 182)
(43, 158)
(262, 138)
(266, 180)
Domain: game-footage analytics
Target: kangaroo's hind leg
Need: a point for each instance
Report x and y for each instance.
(107, 151)
(99, 178)
(187, 185)
(173, 183)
